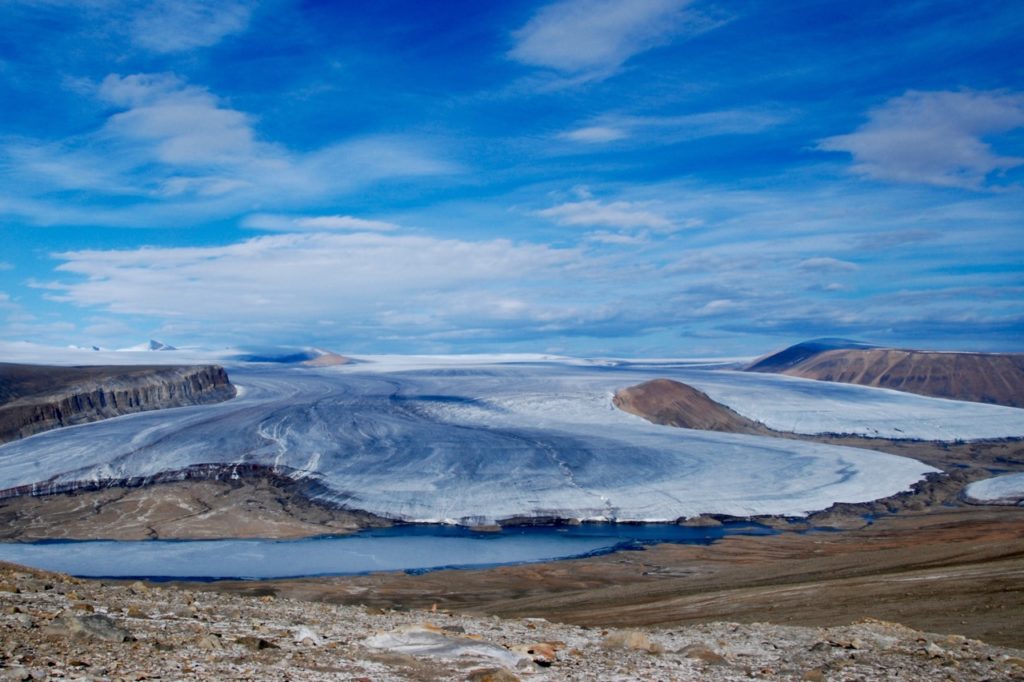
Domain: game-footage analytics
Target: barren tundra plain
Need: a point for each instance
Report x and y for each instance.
(864, 486)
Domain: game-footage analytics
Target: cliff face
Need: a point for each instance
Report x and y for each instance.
(977, 377)
(37, 398)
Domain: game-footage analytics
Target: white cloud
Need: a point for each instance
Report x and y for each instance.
(302, 278)
(825, 264)
(182, 152)
(668, 129)
(201, 186)
(616, 214)
(283, 223)
(719, 306)
(574, 36)
(178, 25)
(934, 138)
(596, 134)
(376, 157)
(184, 124)
(143, 89)
(604, 237)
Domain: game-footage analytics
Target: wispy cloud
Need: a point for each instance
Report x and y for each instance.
(719, 306)
(596, 134)
(936, 138)
(338, 133)
(342, 223)
(762, 263)
(826, 264)
(299, 279)
(597, 36)
(164, 27)
(178, 148)
(615, 214)
(179, 25)
(667, 129)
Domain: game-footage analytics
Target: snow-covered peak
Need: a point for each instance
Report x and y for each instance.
(152, 344)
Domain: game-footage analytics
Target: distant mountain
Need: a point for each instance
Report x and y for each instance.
(290, 358)
(794, 355)
(150, 345)
(313, 357)
(327, 358)
(996, 378)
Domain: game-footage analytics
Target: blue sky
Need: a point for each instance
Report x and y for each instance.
(645, 177)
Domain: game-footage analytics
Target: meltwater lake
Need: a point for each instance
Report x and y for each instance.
(411, 548)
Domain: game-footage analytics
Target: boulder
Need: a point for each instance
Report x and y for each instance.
(90, 626)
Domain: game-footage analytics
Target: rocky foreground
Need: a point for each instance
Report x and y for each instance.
(54, 626)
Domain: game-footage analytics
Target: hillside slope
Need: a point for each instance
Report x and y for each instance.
(977, 377)
(36, 398)
(663, 401)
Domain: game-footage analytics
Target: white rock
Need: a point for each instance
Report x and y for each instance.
(306, 636)
(424, 641)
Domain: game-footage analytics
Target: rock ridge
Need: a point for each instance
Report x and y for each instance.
(36, 398)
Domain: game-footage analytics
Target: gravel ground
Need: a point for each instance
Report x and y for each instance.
(57, 627)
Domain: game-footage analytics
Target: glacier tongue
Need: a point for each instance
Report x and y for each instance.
(484, 441)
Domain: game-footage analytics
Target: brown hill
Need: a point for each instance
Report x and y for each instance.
(996, 378)
(327, 359)
(671, 403)
(35, 398)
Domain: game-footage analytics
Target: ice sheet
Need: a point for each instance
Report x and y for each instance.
(470, 442)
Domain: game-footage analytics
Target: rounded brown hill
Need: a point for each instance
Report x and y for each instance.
(672, 403)
(996, 378)
(327, 359)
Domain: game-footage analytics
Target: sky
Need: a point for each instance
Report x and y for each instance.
(584, 177)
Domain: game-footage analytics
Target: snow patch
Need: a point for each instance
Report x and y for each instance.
(1006, 489)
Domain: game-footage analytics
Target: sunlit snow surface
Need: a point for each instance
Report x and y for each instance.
(1005, 489)
(481, 439)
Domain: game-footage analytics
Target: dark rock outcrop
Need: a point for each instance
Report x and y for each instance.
(36, 398)
(996, 378)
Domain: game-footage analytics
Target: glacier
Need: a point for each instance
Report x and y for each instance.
(480, 439)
